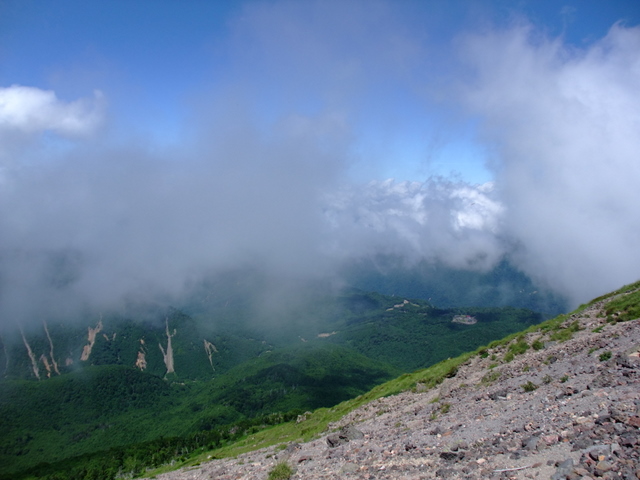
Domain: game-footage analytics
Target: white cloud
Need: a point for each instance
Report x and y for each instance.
(565, 128)
(453, 222)
(32, 110)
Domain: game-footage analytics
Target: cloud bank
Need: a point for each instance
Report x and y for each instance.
(564, 127)
(262, 177)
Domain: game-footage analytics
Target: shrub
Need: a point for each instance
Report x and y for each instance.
(537, 344)
(605, 356)
(282, 471)
(529, 386)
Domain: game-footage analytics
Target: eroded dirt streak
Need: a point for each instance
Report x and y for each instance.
(168, 354)
(91, 337)
(210, 348)
(34, 362)
(141, 361)
(53, 358)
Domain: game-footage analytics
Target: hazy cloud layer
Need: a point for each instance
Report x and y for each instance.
(261, 179)
(565, 128)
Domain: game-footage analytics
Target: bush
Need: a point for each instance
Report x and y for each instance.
(605, 356)
(529, 386)
(537, 344)
(282, 471)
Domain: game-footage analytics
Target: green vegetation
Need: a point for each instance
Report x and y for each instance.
(282, 471)
(529, 386)
(537, 344)
(564, 334)
(605, 356)
(623, 308)
(517, 348)
(490, 377)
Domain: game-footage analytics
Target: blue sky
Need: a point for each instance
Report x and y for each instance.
(154, 59)
(144, 144)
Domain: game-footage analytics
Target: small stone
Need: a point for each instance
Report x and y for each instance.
(448, 456)
(602, 467)
(564, 469)
(550, 439)
(634, 421)
(480, 461)
(530, 443)
(598, 452)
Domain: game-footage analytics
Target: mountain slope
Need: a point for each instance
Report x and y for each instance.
(561, 400)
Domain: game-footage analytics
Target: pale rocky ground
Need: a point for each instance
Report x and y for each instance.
(583, 421)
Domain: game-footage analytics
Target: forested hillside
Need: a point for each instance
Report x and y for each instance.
(73, 389)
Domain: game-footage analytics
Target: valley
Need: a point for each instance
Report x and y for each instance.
(120, 381)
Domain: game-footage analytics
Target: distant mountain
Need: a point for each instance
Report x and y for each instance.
(503, 285)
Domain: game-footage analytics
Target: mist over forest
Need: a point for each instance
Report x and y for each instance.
(96, 214)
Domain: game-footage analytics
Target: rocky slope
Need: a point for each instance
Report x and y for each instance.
(563, 409)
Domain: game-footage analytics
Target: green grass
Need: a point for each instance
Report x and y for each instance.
(564, 334)
(624, 308)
